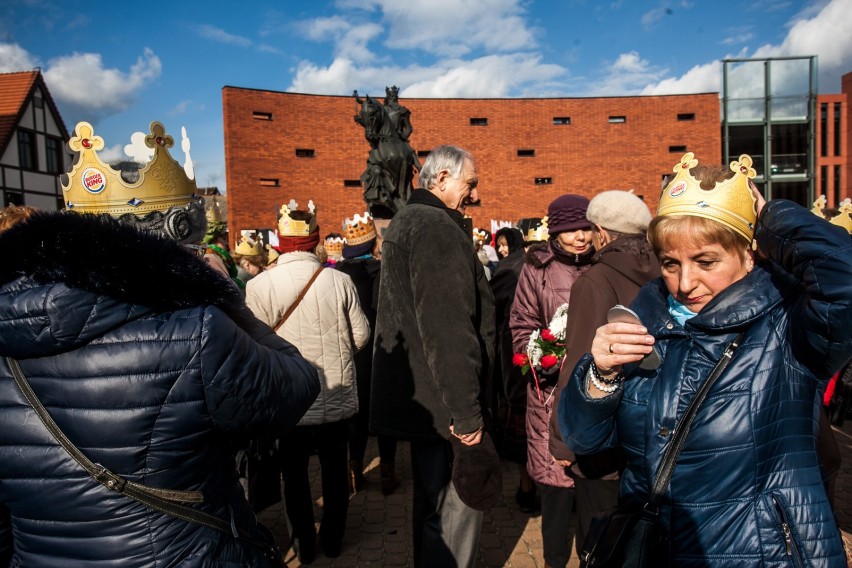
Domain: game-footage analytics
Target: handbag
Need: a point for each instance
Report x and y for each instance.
(632, 537)
(167, 501)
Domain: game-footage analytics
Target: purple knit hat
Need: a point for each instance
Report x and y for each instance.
(567, 213)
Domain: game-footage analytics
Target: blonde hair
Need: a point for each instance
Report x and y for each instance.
(666, 232)
(14, 214)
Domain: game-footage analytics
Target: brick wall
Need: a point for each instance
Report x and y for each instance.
(263, 130)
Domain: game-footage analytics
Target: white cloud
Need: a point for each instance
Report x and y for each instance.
(820, 29)
(83, 85)
(350, 40)
(489, 76)
(15, 58)
(114, 154)
(221, 36)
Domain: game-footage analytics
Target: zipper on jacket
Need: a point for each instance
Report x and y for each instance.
(786, 532)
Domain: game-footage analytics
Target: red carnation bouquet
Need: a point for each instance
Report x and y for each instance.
(545, 348)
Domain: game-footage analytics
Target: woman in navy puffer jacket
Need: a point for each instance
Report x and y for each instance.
(746, 490)
(152, 366)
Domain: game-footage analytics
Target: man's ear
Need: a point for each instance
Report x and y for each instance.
(441, 178)
(749, 259)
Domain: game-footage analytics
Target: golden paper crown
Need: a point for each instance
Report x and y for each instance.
(540, 233)
(819, 205)
(249, 247)
(844, 217)
(94, 187)
(289, 227)
(334, 246)
(271, 255)
(730, 202)
(359, 229)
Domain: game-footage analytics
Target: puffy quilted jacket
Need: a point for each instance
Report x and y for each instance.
(746, 490)
(328, 326)
(151, 365)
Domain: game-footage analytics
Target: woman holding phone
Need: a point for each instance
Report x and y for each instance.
(746, 487)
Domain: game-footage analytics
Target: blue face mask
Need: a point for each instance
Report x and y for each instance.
(678, 311)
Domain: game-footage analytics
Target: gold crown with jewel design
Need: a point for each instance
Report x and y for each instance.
(334, 246)
(730, 202)
(296, 223)
(249, 247)
(359, 229)
(94, 187)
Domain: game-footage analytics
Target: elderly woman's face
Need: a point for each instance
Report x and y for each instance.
(695, 275)
(575, 242)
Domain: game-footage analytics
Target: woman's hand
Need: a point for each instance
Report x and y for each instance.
(617, 344)
(468, 439)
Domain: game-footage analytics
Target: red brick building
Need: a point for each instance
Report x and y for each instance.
(282, 146)
(833, 138)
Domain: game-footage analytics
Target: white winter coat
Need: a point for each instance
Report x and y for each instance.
(328, 327)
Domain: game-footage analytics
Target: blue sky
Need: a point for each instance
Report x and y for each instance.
(121, 65)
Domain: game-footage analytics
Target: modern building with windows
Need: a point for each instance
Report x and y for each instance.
(33, 142)
(281, 146)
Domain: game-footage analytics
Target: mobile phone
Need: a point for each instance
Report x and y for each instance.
(623, 314)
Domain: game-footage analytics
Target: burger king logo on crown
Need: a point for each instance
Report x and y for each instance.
(93, 180)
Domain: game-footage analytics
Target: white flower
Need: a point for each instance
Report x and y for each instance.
(534, 352)
(559, 322)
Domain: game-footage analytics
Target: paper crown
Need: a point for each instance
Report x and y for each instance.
(249, 247)
(479, 237)
(94, 187)
(271, 255)
(359, 229)
(844, 216)
(334, 246)
(539, 233)
(730, 202)
(296, 223)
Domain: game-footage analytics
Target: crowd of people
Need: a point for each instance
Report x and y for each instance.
(160, 370)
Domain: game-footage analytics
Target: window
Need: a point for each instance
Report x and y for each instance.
(617, 119)
(27, 156)
(678, 149)
(526, 153)
(837, 129)
(352, 183)
(304, 152)
(686, 116)
(38, 102)
(823, 180)
(543, 181)
(561, 120)
(837, 184)
(422, 153)
(270, 182)
(823, 129)
(13, 198)
(54, 155)
(479, 122)
(258, 115)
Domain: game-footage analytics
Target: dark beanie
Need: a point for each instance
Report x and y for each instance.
(354, 251)
(567, 213)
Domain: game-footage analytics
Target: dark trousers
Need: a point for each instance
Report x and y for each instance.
(557, 504)
(359, 431)
(593, 496)
(329, 442)
(446, 531)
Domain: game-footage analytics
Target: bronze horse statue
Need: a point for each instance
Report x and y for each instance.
(392, 162)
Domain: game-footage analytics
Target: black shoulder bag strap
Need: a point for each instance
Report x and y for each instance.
(163, 500)
(664, 472)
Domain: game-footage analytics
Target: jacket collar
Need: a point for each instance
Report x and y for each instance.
(738, 306)
(425, 197)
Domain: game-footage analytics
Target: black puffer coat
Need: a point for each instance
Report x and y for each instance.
(151, 365)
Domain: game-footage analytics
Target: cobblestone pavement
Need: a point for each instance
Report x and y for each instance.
(378, 532)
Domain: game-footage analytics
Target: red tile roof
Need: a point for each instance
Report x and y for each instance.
(15, 89)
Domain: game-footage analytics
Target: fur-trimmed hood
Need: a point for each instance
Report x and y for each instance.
(66, 277)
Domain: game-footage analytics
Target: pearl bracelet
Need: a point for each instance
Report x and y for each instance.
(603, 384)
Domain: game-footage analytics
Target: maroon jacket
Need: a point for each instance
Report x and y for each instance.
(620, 269)
(545, 284)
